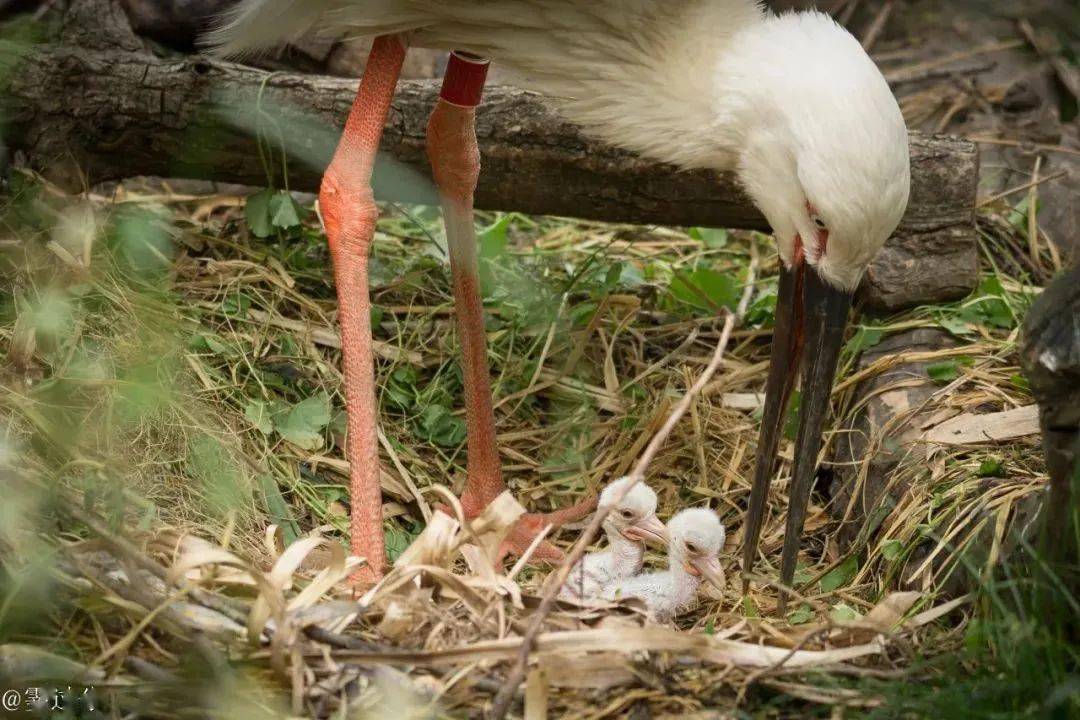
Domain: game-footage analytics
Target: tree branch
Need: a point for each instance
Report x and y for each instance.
(105, 115)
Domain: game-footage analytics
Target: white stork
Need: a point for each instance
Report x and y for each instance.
(630, 524)
(696, 539)
(791, 103)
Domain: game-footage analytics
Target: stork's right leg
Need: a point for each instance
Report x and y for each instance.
(349, 213)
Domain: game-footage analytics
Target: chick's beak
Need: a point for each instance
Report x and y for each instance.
(708, 568)
(649, 530)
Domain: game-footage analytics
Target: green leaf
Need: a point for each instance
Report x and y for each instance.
(257, 212)
(763, 309)
(843, 613)
(892, 549)
(865, 338)
(943, 372)
(1019, 381)
(840, 575)
(438, 425)
(988, 306)
(1018, 216)
(494, 238)
(305, 421)
(630, 275)
(278, 510)
(236, 304)
(221, 486)
(400, 392)
(259, 416)
(705, 289)
(749, 608)
(802, 575)
(791, 419)
(143, 240)
(614, 272)
(801, 615)
(955, 325)
(991, 312)
(581, 313)
(714, 238)
(397, 541)
(209, 342)
(990, 467)
(977, 636)
(339, 424)
(284, 211)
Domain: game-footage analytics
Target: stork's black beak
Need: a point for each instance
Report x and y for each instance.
(811, 315)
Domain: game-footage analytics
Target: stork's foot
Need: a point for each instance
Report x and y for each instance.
(521, 536)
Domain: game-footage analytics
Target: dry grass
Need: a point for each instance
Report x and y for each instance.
(168, 374)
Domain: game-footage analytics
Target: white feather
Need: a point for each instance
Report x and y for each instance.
(672, 591)
(624, 557)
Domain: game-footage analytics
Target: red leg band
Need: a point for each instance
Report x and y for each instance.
(463, 84)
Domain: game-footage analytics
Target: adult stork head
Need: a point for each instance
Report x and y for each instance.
(633, 514)
(824, 146)
(824, 155)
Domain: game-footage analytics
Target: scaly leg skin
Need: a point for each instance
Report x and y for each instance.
(349, 213)
(455, 161)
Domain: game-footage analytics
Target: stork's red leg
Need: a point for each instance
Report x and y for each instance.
(455, 161)
(348, 209)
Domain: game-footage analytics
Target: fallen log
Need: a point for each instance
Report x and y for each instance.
(89, 115)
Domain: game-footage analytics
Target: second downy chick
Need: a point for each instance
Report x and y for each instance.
(697, 536)
(631, 524)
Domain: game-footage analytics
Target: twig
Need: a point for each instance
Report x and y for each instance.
(878, 25)
(903, 73)
(126, 549)
(946, 73)
(753, 677)
(848, 11)
(1020, 188)
(347, 642)
(1024, 145)
(1069, 76)
(1033, 217)
(502, 701)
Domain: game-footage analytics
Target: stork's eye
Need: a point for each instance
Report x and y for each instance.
(818, 222)
(628, 514)
(691, 547)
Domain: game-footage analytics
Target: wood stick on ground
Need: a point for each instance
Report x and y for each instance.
(517, 674)
(124, 549)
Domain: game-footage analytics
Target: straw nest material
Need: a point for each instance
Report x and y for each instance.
(174, 448)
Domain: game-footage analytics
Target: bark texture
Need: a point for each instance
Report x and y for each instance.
(1050, 355)
(90, 114)
(887, 429)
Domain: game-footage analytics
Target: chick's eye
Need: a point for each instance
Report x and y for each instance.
(818, 222)
(628, 514)
(692, 547)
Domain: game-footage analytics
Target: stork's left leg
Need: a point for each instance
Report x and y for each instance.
(455, 161)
